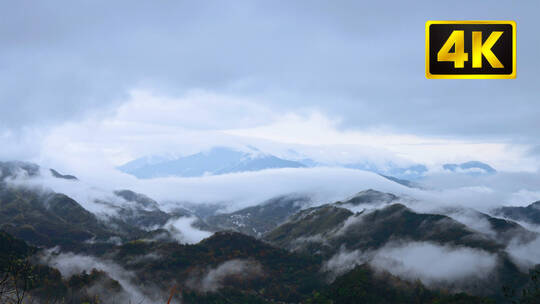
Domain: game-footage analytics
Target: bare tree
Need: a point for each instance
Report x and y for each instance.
(15, 281)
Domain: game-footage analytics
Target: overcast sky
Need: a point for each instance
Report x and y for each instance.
(110, 81)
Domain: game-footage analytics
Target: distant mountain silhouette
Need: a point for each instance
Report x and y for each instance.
(219, 160)
(471, 167)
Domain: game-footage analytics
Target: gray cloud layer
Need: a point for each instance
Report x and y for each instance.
(363, 61)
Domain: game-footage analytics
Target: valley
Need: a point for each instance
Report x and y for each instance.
(283, 250)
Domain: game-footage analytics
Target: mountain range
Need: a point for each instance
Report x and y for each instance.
(471, 167)
(224, 160)
(219, 160)
(529, 214)
(283, 250)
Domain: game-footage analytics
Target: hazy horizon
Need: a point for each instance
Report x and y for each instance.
(108, 86)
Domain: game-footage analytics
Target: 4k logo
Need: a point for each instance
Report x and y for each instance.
(470, 49)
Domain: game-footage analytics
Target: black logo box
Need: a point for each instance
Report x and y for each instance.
(503, 49)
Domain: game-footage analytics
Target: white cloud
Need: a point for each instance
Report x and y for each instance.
(183, 231)
(525, 255)
(249, 188)
(88, 196)
(197, 109)
(470, 218)
(213, 278)
(148, 123)
(70, 264)
(523, 196)
(434, 263)
(342, 262)
(428, 262)
(317, 129)
(322, 184)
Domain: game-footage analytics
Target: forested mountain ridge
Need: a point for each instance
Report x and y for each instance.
(296, 251)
